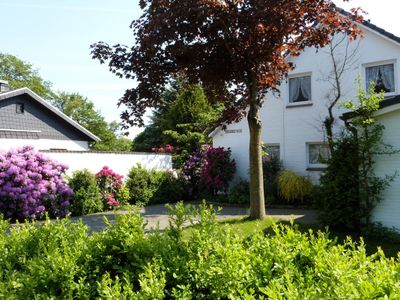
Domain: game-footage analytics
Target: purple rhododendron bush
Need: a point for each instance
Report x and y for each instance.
(210, 170)
(31, 185)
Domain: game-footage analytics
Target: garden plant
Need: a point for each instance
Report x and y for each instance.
(210, 261)
(31, 185)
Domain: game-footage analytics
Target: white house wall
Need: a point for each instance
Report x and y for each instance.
(120, 163)
(44, 144)
(292, 127)
(387, 212)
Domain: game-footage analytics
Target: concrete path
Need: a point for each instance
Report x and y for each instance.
(156, 215)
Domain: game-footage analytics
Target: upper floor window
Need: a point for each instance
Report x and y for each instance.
(382, 76)
(300, 89)
(20, 108)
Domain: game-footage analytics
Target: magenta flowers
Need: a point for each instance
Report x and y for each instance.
(110, 184)
(210, 169)
(32, 184)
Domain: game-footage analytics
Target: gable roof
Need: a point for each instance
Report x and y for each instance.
(38, 99)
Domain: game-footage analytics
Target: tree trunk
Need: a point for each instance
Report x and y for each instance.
(257, 204)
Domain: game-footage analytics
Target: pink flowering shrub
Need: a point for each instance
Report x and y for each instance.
(111, 186)
(167, 149)
(210, 170)
(32, 184)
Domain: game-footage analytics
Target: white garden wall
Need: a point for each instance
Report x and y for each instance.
(119, 162)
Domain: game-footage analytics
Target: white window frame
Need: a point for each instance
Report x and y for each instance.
(380, 63)
(301, 103)
(309, 164)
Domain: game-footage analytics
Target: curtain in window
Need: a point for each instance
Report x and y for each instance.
(300, 89)
(388, 76)
(381, 75)
(318, 153)
(294, 89)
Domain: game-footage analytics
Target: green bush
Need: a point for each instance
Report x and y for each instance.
(61, 260)
(171, 189)
(272, 167)
(294, 188)
(239, 193)
(86, 198)
(154, 187)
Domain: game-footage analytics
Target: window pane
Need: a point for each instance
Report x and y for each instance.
(300, 89)
(272, 151)
(383, 76)
(20, 109)
(318, 153)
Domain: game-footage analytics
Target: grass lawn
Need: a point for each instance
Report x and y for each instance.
(245, 228)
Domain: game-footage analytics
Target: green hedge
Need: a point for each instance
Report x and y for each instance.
(154, 187)
(86, 198)
(61, 260)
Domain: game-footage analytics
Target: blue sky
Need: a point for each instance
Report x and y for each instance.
(55, 35)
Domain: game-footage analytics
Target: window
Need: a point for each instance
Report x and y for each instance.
(383, 76)
(318, 154)
(20, 108)
(273, 150)
(300, 89)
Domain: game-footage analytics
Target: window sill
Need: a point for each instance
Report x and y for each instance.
(316, 169)
(299, 104)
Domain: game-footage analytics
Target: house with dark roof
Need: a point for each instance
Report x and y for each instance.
(293, 128)
(27, 119)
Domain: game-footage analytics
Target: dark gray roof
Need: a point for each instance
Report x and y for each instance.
(389, 101)
(37, 98)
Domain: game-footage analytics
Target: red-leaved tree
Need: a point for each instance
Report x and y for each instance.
(236, 49)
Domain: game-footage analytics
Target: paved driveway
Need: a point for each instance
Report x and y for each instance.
(157, 215)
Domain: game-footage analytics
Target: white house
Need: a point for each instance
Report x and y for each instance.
(293, 120)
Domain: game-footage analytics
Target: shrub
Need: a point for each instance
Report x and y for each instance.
(350, 189)
(154, 187)
(32, 184)
(86, 198)
(272, 167)
(111, 188)
(239, 193)
(210, 170)
(60, 260)
(294, 187)
(172, 188)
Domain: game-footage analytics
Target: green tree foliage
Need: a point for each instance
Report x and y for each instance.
(188, 120)
(21, 74)
(183, 121)
(82, 110)
(350, 190)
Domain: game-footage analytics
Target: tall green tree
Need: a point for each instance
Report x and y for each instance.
(183, 122)
(21, 74)
(237, 49)
(82, 110)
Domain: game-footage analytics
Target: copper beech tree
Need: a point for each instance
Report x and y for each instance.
(236, 49)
